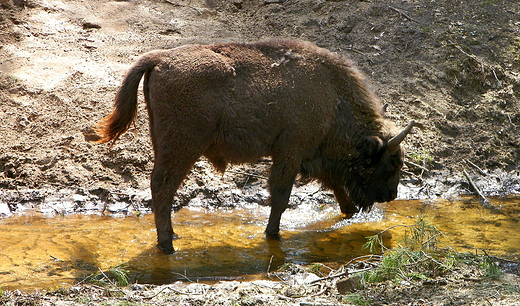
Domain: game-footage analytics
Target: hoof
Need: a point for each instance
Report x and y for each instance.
(273, 236)
(166, 250)
(349, 211)
(348, 215)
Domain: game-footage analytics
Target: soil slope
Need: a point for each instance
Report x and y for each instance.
(453, 66)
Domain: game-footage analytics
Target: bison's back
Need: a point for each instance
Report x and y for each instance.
(245, 101)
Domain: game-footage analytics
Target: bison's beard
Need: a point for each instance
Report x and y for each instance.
(363, 196)
(360, 195)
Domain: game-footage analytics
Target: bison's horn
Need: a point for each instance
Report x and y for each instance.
(394, 142)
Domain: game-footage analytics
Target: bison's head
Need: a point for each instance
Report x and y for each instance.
(375, 174)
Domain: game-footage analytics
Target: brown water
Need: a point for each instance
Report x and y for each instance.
(44, 253)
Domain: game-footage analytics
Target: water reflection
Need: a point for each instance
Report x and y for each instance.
(37, 252)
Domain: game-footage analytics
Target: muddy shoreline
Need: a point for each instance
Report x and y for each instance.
(237, 189)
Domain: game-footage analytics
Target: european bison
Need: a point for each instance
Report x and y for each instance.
(311, 110)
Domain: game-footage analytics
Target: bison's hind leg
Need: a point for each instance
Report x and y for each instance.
(164, 186)
(170, 169)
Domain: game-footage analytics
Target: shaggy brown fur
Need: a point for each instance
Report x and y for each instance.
(309, 109)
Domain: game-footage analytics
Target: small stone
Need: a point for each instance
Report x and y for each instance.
(90, 25)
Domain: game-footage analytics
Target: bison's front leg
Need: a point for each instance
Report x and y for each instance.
(281, 179)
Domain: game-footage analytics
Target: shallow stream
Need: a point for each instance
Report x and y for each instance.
(44, 253)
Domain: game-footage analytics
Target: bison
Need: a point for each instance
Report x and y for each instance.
(309, 109)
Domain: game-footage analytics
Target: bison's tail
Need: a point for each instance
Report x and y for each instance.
(119, 121)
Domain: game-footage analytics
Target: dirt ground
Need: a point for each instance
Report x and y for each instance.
(294, 287)
(451, 65)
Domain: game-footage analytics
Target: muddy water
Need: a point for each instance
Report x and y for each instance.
(43, 253)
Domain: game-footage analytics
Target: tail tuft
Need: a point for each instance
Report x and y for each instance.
(110, 128)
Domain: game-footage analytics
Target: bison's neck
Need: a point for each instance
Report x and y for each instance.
(358, 115)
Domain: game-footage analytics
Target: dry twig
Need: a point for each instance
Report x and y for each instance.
(269, 267)
(315, 304)
(170, 288)
(403, 14)
(476, 59)
(248, 174)
(346, 273)
(107, 278)
(364, 258)
(350, 48)
(473, 57)
(410, 164)
(151, 297)
(111, 283)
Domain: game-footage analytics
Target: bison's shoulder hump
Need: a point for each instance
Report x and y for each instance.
(192, 60)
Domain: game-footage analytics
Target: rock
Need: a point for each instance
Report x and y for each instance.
(4, 210)
(350, 284)
(303, 278)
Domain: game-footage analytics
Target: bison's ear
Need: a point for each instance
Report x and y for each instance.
(373, 145)
(384, 108)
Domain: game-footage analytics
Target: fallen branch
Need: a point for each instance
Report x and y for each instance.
(169, 288)
(355, 50)
(363, 258)
(476, 167)
(183, 276)
(471, 56)
(180, 292)
(437, 262)
(483, 199)
(411, 174)
(503, 259)
(482, 64)
(292, 298)
(107, 278)
(322, 291)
